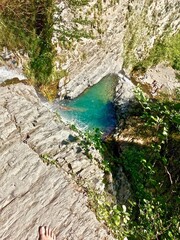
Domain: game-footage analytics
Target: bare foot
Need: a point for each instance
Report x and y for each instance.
(46, 233)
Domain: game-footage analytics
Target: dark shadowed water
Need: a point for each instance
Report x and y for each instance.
(94, 108)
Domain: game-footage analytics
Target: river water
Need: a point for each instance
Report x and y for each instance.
(94, 108)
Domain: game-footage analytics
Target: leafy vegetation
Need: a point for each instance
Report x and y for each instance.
(153, 172)
(30, 26)
(47, 159)
(146, 42)
(113, 215)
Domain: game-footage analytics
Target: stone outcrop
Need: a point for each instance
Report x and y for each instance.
(124, 100)
(9, 73)
(32, 193)
(159, 79)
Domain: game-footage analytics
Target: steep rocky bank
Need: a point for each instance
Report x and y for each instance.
(127, 31)
(32, 193)
(93, 59)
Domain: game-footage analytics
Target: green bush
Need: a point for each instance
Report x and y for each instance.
(153, 172)
(30, 25)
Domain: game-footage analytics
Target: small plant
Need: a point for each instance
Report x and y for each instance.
(49, 160)
(114, 216)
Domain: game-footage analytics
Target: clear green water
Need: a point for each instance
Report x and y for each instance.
(94, 108)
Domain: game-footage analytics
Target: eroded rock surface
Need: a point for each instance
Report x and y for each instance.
(124, 99)
(9, 73)
(32, 193)
(91, 60)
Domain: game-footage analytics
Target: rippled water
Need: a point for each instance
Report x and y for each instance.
(94, 108)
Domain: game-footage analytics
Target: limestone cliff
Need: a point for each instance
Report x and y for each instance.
(122, 31)
(130, 29)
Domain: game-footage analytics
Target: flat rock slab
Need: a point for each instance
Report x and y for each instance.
(161, 79)
(8, 73)
(32, 193)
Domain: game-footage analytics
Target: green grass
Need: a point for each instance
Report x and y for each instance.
(167, 50)
(29, 26)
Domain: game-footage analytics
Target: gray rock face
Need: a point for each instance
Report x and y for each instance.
(31, 193)
(94, 59)
(130, 29)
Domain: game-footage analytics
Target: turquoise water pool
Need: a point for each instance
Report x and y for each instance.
(94, 108)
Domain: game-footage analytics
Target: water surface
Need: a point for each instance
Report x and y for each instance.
(94, 108)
